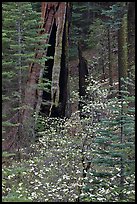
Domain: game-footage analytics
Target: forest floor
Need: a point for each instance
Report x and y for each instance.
(52, 171)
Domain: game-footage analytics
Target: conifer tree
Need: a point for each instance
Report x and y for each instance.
(20, 40)
(110, 149)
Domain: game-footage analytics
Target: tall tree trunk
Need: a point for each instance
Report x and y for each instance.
(102, 59)
(131, 35)
(19, 84)
(131, 43)
(122, 71)
(60, 23)
(110, 59)
(32, 99)
(83, 73)
(55, 15)
(122, 52)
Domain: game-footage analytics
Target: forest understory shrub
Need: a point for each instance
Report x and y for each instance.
(91, 155)
(110, 146)
(54, 169)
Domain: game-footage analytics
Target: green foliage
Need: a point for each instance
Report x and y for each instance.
(96, 30)
(55, 167)
(13, 189)
(80, 28)
(111, 147)
(97, 16)
(51, 171)
(20, 42)
(114, 13)
(19, 23)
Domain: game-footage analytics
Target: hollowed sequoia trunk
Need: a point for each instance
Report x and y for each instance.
(58, 75)
(46, 95)
(55, 17)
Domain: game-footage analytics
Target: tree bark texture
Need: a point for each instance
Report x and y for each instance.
(83, 72)
(122, 52)
(110, 60)
(131, 35)
(53, 14)
(131, 44)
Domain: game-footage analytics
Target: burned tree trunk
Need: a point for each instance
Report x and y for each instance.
(55, 16)
(83, 73)
(55, 23)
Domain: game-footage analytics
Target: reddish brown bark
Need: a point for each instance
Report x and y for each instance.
(51, 12)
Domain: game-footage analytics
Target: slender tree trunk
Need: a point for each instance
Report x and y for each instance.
(122, 71)
(131, 43)
(122, 53)
(131, 35)
(122, 168)
(110, 60)
(20, 85)
(83, 73)
(102, 58)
